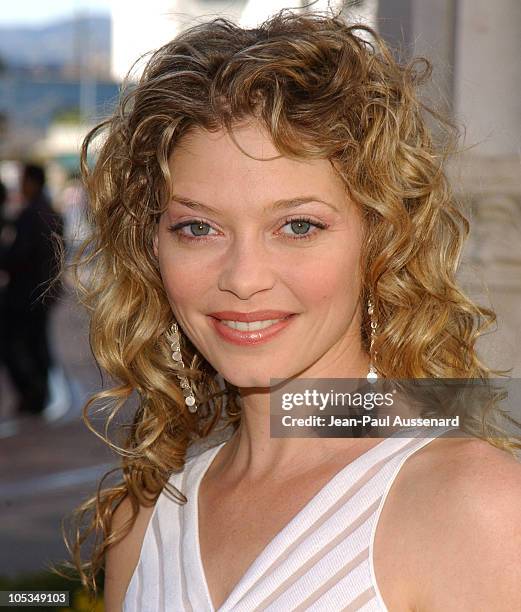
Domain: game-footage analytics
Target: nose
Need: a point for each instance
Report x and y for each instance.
(247, 269)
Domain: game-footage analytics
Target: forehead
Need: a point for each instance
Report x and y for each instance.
(212, 163)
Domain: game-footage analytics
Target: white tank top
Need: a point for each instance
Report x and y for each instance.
(322, 560)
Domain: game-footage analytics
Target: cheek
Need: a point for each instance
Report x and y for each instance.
(183, 283)
(327, 277)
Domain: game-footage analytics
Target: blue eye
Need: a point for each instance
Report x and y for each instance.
(300, 228)
(199, 229)
(196, 228)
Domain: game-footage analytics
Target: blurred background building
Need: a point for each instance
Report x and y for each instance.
(61, 67)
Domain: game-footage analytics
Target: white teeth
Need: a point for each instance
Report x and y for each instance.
(252, 326)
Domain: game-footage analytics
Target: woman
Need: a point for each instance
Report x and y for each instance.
(268, 203)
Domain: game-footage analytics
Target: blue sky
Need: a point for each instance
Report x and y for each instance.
(36, 12)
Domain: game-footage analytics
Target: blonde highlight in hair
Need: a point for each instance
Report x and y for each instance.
(322, 89)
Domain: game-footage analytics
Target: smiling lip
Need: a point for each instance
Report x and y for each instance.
(258, 336)
(248, 317)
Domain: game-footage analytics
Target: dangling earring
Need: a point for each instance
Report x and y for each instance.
(173, 337)
(372, 375)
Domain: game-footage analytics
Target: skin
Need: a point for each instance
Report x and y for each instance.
(251, 260)
(446, 516)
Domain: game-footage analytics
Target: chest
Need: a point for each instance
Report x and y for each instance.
(235, 529)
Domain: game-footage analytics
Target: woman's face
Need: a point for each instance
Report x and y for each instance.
(276, 243)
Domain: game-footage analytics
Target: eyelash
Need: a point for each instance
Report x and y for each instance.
(175, 229)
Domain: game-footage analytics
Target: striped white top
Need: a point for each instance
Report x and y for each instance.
(322, 560)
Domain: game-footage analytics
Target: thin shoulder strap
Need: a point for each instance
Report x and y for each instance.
(421, 442)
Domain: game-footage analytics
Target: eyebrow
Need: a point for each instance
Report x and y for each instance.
(277, 205)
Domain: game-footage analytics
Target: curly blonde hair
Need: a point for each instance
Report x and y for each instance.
(323, 88)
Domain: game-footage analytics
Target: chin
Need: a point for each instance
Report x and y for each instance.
(245, 380)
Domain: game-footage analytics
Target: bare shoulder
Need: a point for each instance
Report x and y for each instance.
(467, 471)
(462, 463)
(122, 558)
(466, 542)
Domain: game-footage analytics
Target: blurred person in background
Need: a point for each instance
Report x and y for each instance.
(3, 198)
(30, 262)
(3, 275)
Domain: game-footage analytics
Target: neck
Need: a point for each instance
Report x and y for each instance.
(254, 452)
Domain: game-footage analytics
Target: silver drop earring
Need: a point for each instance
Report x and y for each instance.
(173, 337)
(372, 375)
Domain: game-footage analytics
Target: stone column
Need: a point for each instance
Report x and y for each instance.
(422, 28)
(487, 102)
(475, 47)
(487, 92)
